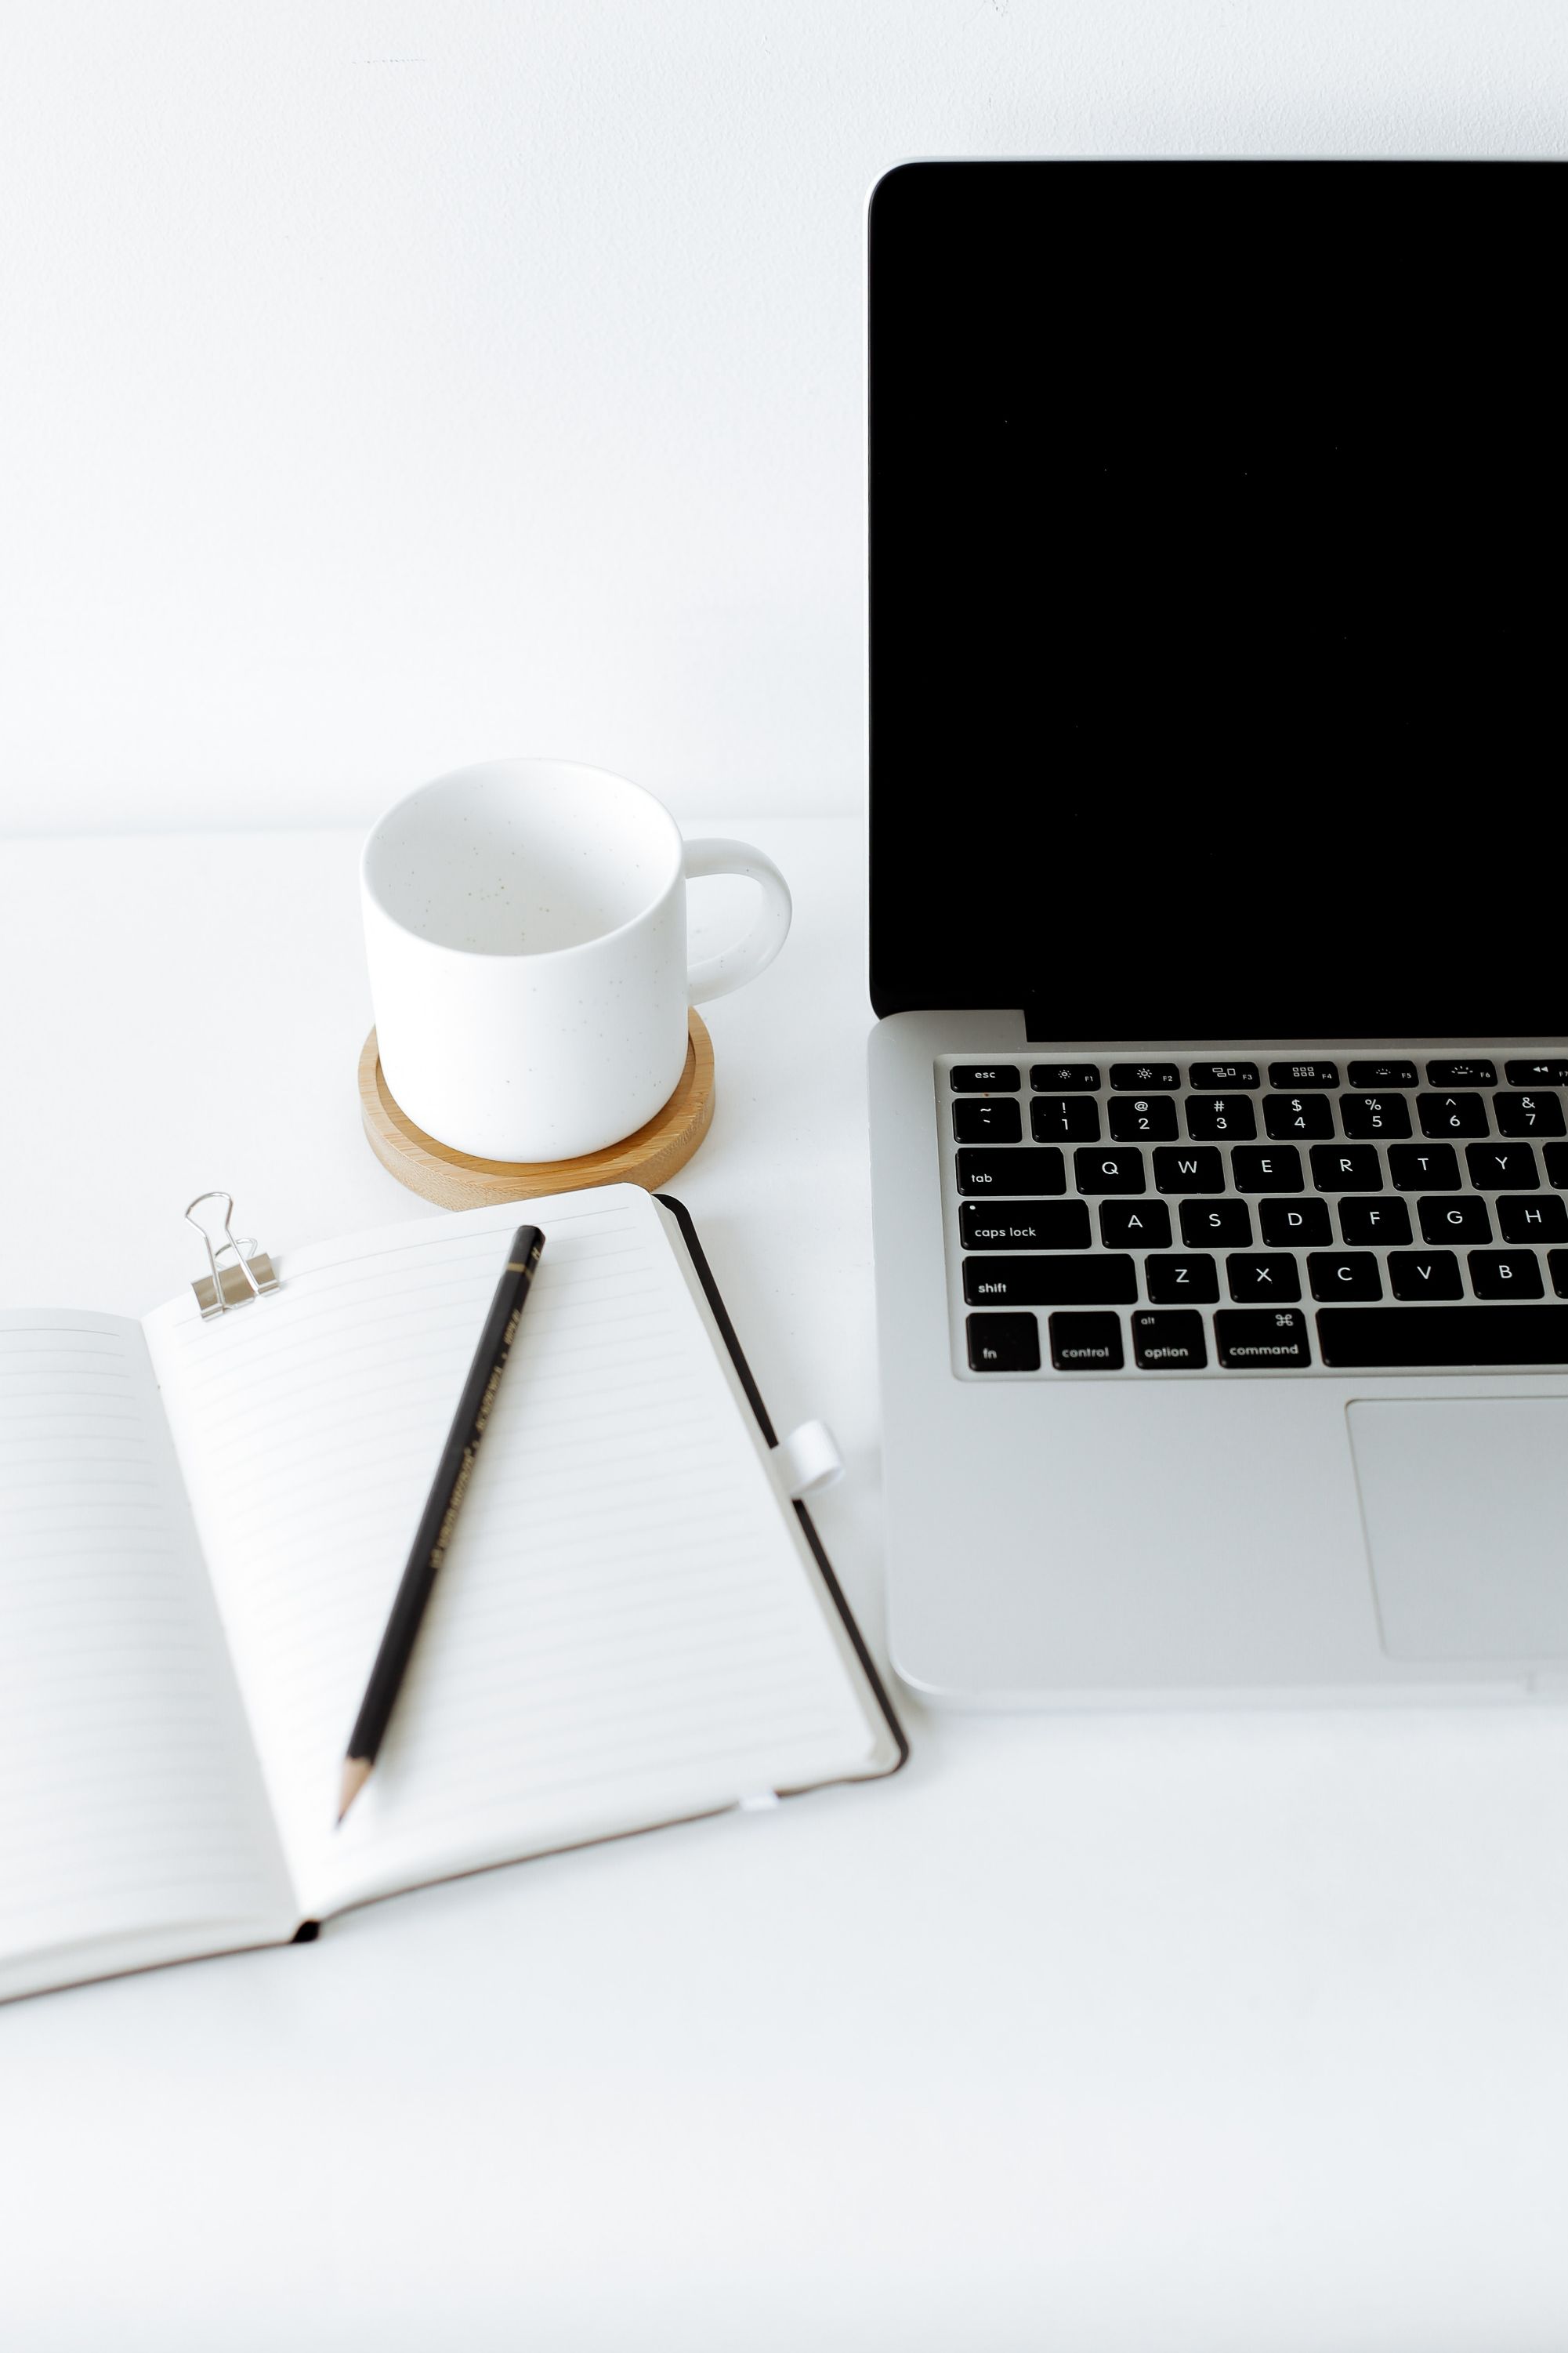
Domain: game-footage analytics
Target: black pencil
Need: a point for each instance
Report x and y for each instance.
(435, 1530)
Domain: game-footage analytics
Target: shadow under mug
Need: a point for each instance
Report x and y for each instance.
(525, 927)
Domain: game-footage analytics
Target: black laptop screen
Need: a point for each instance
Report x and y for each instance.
(1218, 609)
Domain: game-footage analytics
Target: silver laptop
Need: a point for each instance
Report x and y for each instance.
(1217, 929)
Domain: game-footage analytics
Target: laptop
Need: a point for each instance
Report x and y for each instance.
(1219, 1091)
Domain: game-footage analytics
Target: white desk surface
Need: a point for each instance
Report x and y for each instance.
(1232, 2031)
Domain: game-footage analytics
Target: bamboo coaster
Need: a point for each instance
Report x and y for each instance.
(457, 1181)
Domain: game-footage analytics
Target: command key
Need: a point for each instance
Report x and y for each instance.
(1257, 1340)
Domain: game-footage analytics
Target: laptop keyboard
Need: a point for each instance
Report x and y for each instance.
(1236, 1215)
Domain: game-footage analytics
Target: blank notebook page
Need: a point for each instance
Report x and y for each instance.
(623, 1630)
(131, 1812)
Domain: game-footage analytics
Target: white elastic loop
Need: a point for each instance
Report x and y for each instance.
(808, 1460)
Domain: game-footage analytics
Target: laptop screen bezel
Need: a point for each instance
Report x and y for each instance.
(907, 974)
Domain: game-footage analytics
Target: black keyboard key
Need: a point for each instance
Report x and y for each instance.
(1344, 1274)
(1299, 1117)
(1384, 1116)
(1255, 1341)
(1346, 1168)
(1450, 1219)
(1025, 1225)
(1064, 1119)
(1550, 1071)
(1181, 1282)
(1295, 1224)
(1257, 1276)
(1168, 1340)
(1134, 1225)
(1502, 1168)
(985, 1078)
(1085, 1343)
(1048, 1282)
(1424, 1274)
(1143, 1078)
(1222, 1074)
(1033, 1170)
(1558, 1262)
(1556, 1158)
(1217, 1225)
(1192, 1170)
(1266, 1168)
(1291, 1075)
(1505, 1274)
(1108, 1172)
(1221, 1118)
(1452, 1114)
(1384, 1074)
(1544, 1219)
(979, 1120)
(1461, 1073)
(1528, 1114)
(1142, 1119)
(1424, 1168)
(1003, 1344)
(1056, 1078)
(1363, 1337)
(1373, 1222)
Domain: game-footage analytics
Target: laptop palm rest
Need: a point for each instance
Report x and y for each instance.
(1465, 1504)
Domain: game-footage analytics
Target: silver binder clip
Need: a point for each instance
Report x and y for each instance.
(247, 1273)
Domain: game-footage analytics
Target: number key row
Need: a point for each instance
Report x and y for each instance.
(1221, 1118)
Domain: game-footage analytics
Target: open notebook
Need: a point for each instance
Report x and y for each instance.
(202, 1526)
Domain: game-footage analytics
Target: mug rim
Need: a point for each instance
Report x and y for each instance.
(476, 768)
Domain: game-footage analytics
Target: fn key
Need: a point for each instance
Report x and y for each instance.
(1003, 1344)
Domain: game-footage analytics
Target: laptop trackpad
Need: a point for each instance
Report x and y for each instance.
(1465, 1501)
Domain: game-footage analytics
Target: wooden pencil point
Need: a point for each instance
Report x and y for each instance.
(442, 1505)
(356, 1773)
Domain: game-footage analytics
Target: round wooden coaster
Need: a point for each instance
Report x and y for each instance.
(457, 1181)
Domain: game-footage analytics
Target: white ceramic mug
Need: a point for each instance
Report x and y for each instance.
(525, 923)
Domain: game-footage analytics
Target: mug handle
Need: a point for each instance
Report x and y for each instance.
(716, 975)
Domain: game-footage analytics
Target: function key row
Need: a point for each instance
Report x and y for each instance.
(1168, 1340)
(1275, 1339)
(1165, 1340)
(1134, 1078)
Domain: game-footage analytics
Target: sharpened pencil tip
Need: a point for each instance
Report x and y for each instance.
(356, 1773)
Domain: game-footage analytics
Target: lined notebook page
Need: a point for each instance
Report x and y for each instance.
(623, 1630)
(130, 1802)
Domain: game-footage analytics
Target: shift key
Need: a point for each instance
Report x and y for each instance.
(1030, 1168)
(1097, 1280)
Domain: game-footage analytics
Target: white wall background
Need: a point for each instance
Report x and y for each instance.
(385, 384)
